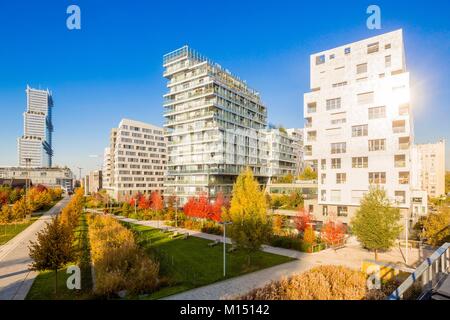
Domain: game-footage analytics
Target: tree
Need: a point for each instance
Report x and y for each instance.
(156, 200)
(436, 227)
(308, 174)
(277, 224)
(376, 223)
(289, 178)
(251, 226)
(53, 248)
(20, 209)
(309, 236)
(333, 232)
(447, 182)
(144, 203)
(217, 208)
(126, 208)
(6, 215)
(303, 220)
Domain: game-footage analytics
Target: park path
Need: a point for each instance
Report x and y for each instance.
(350, 256)
(15, 277)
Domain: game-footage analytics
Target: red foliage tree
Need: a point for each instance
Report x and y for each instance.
(189, 207)
(156, 201)
(216, 208)
(333, 231)
(4, 197)
(144, 203)
(302, 220)
(40, 188)
(198, 207)
(136, 199)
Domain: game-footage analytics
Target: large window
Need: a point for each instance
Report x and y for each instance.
(399, 160)
(323, 164)
(341, 178)
(377, 145)
(398, 126)
(360, 162)
(377, 112)
(365, 98)
(359, 131)
(403, 143)
(320, 59)
(377, 177)
(342, 211)
(312, 135)
(373, 47)
(403, 109)
(387, 61)
(361, 68)
(403, 177)
(339, 147)
(333, 104)
(400, 197)
(312, 107)
(335, 163)
(308, 150)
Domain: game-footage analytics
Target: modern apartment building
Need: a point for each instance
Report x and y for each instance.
(107, 169)
(35, 146)
(359, 124)
(284, 151)
(214, 123)
(138, 154)
(95, 181)
(431, 168)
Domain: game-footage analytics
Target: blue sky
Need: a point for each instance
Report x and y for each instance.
(112, 67)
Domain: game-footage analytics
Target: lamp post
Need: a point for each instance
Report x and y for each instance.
(224, 223)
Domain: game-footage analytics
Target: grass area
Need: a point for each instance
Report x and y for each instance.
(10, 230)
(189, 263)
(44, 285)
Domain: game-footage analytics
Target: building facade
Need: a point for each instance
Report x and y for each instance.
(49, 177)
(35, 146)
(95, 181)
(214, 122)
(359, 124)
(431, 167)
(107, 169)
(138, 154)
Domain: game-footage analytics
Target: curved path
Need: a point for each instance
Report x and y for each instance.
(15, 277)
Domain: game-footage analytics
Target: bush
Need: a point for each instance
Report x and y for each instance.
(119, 263)
(294, 243)
(319, 283)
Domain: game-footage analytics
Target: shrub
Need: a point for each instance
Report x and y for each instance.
(319, 283)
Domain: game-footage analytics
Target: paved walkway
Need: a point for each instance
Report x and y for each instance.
(351, 256)
(15, 277)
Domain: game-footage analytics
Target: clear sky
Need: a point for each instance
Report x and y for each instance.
(112, 67)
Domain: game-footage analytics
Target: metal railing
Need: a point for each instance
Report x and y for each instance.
(428, 274)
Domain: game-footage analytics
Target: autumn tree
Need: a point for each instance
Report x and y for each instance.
(217, 207)
(309, 236)
(53, 248)
(308, 174)
(6, 214)
(144, 203)
(251, 226)
(333, 232)
(302, 220)
(21, 209)
(156, 200)
(436, 227)
(376, 223)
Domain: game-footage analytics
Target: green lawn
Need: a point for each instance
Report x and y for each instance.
(44, 284)
(191, 263)
(10, 230)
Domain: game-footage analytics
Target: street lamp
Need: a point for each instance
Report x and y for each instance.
(224, 223)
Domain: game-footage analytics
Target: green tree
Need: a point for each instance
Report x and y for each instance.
(53, 248)
(436, 227)
(308, 174)
(251, 226)
(126, 209)
(376, 223)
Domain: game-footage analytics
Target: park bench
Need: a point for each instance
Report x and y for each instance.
(215, 243)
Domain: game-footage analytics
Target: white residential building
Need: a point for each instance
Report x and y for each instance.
(359, 123)
(138, 159)
(35, 146)
(49, 177)
(214, 122)
(431, 167)
(107, 168)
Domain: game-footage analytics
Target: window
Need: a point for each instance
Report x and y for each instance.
(377, 113)
(403, 143)
(347, 50)
(400, 197)
(325, 210)
(403, 109)
(359, 131)
(361, 68)
(398, 126)
(308, 122)
(312, 107)
(333, 104)
(311, 208)
(377, 145)
(339, 84)
(387, 61)
(387, 46)
(308, 150)
(339, 147)
(323, 164)
(312, 135)
(332, 56)
(365, 98)
(323, 178)
(372, 48)
(403, 177)
(360, 162)
(320, 59)
(336, 195)
(399, 161)
(341, 178)
(335, 163)
(323, 195)
(377, 177)
(342, 211)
